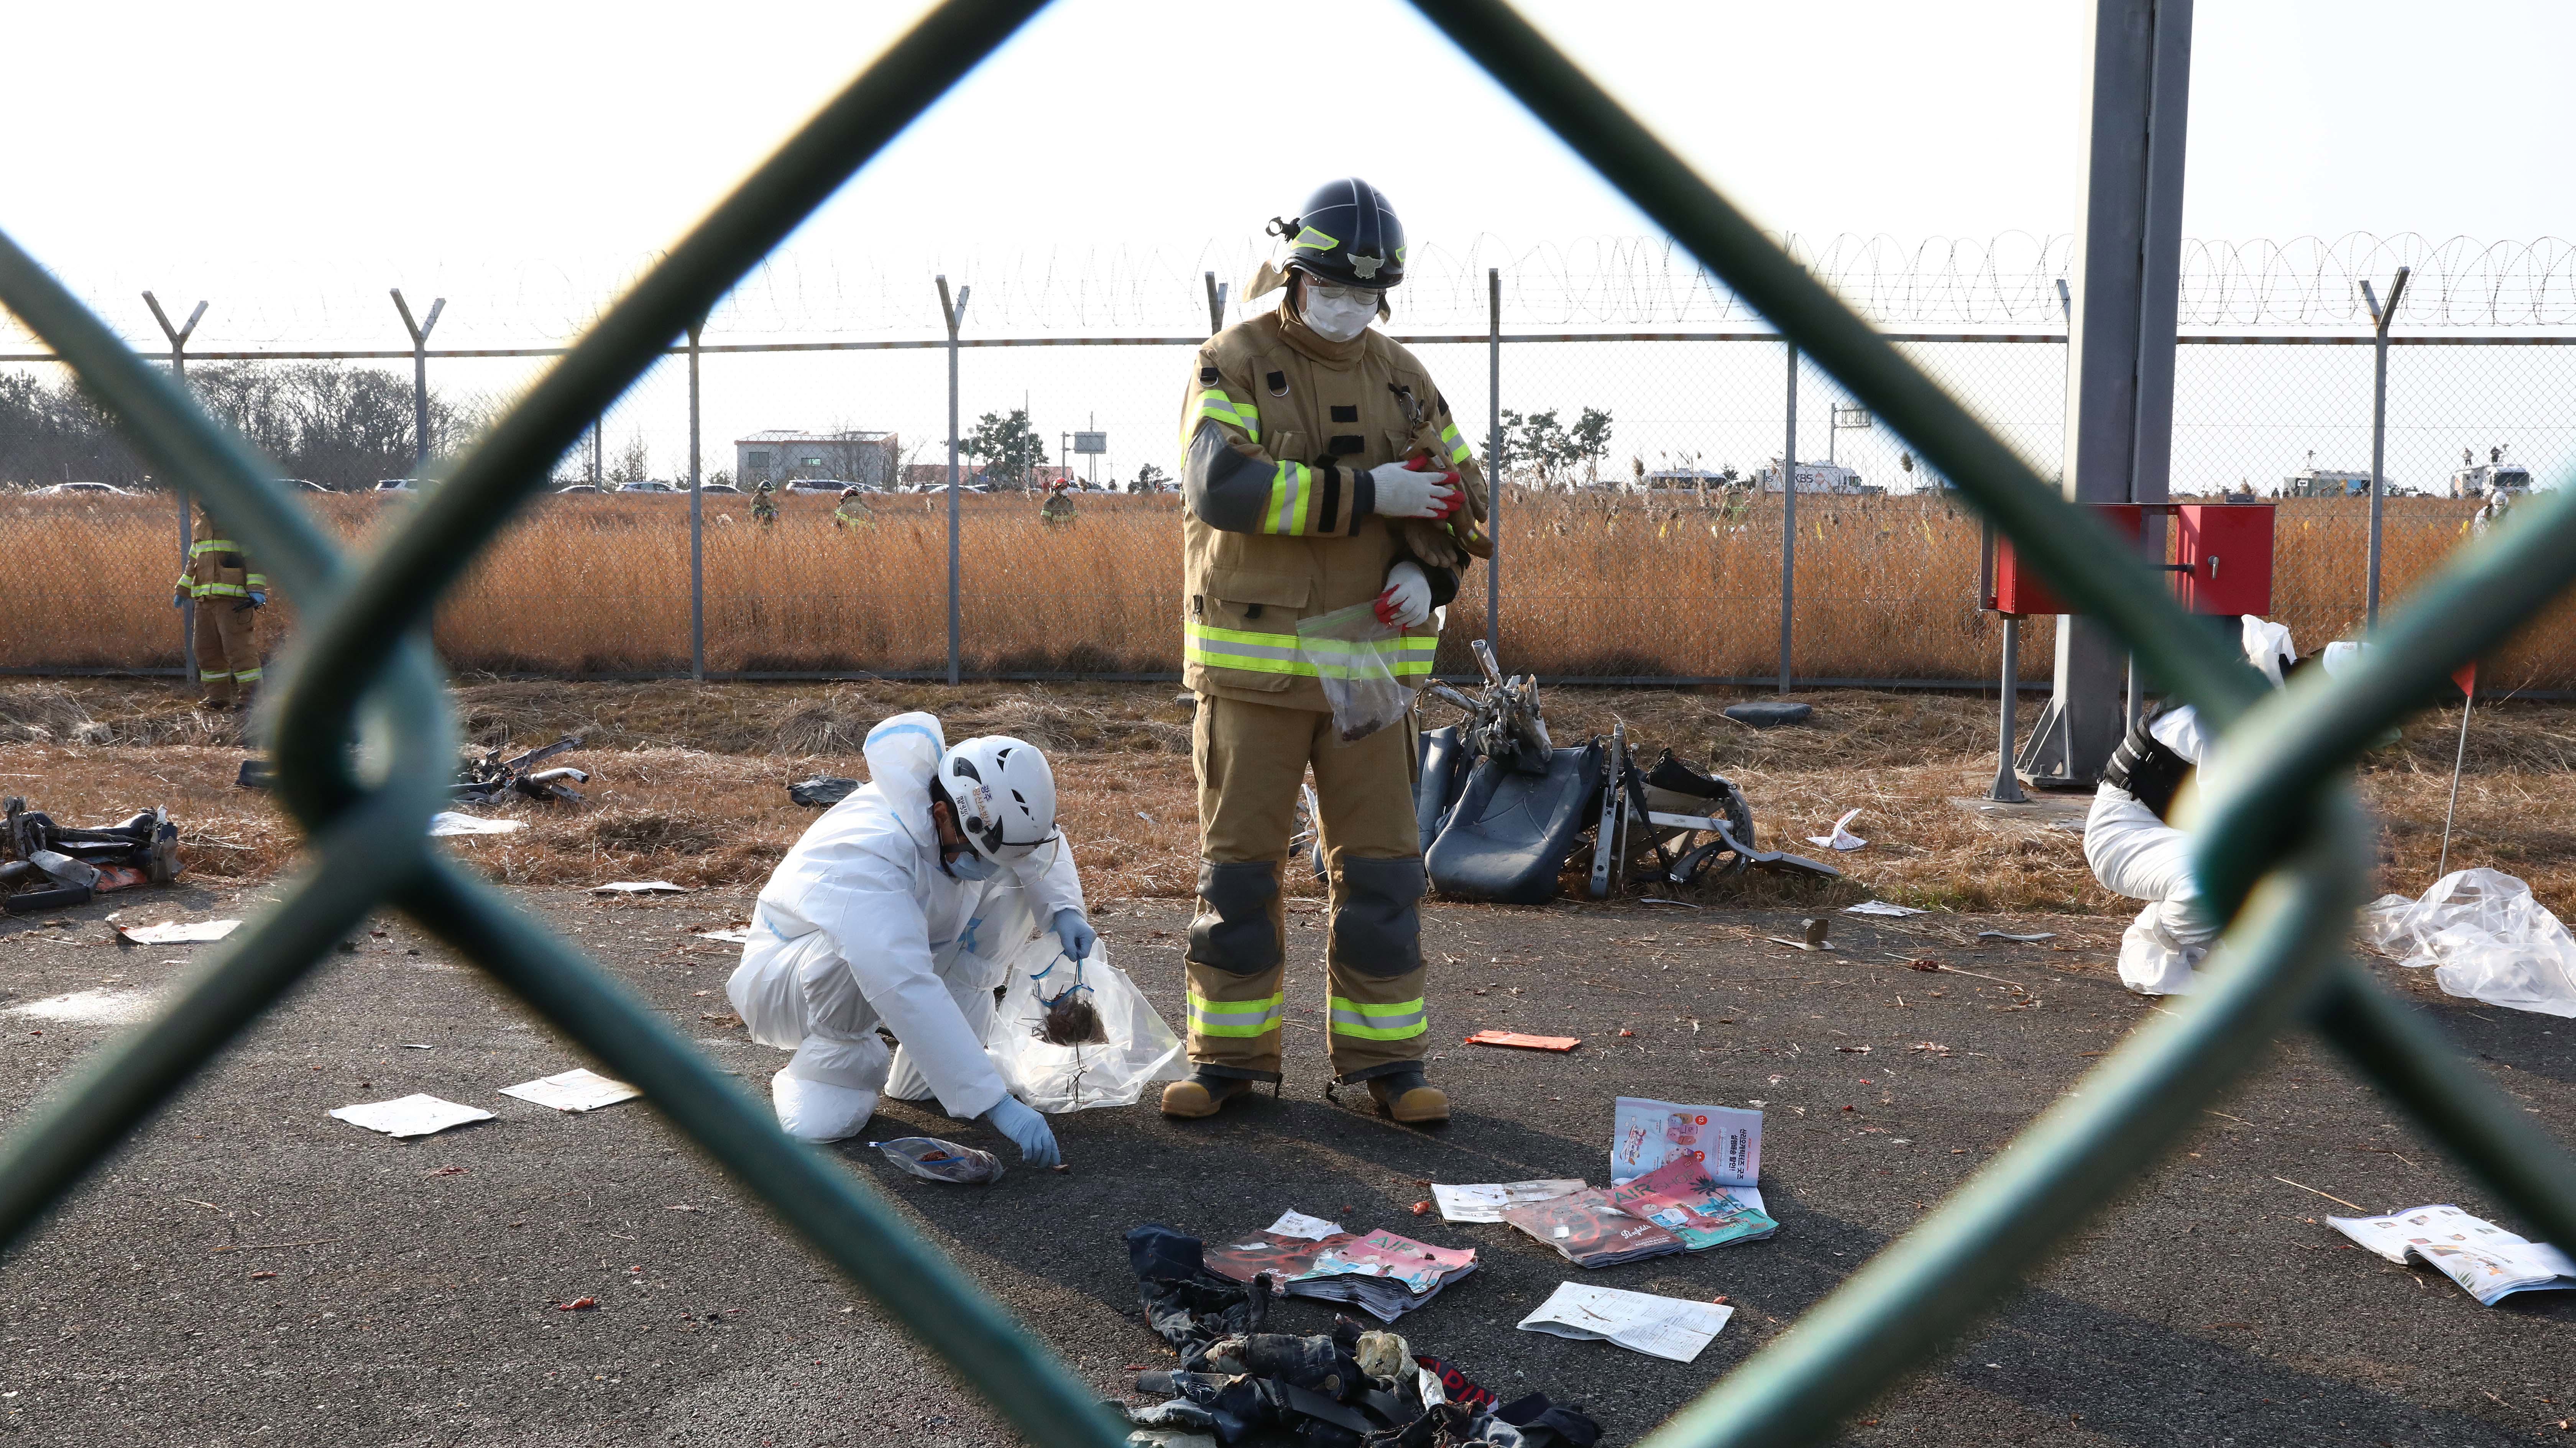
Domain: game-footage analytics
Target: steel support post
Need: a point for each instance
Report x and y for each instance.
(2007, 786)
(697, 530)
(179, 486)
(1216, 304)
(2119, 405)
(419, 376)
(2380, 317)
(1789, 522)
(953, 315)
(1494, 458)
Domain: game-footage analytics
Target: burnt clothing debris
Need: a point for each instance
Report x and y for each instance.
(821, 792)
(50, 866)
(1236, 1379)
(491, 778)
(1769, 713)
(1500, 809)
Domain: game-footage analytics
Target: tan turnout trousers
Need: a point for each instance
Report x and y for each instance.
(1251, 759)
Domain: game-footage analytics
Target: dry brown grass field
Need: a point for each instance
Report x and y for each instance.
(1593, 587)
(690, 782)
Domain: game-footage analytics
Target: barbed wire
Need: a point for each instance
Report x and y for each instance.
(2004, 282)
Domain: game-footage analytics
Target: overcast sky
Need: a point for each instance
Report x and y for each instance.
(228, 150)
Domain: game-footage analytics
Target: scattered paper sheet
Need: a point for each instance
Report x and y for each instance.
(449, 822)
(1526, 1042)
(1882, 907)
(2031, 939)
(735, 937)
(414, 1115)
(639, 887)
(172, 933)
(580, 1089)
(1298, 1224)
(1487, 1201)
(1664, 1327)
(1842, 838)
(1646, 1134)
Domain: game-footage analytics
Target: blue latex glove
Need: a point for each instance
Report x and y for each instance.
(179, 599)
(1028, 1130)
(1076, 933)
(259, 598)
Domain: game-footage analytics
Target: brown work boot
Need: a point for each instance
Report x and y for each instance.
(1408, 1098)
(1201, 1095)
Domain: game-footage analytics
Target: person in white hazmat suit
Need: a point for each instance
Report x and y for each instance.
(902, 907)
(2135, 852)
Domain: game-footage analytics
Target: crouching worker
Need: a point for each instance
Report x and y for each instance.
(2135, 851)
(902, 908)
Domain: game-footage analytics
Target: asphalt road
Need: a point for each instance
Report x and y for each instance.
(412, 1304)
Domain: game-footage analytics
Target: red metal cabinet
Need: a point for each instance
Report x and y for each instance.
(2223, 553)
(2017, 586)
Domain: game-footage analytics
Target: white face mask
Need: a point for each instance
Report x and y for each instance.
(1337, 314)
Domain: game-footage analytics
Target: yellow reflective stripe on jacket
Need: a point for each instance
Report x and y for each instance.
(222, 590)
(1400, 1021)
(1256, 651)
(1459, 451)
(1292, 501)
(255, 582)
(1236, 1018)
(1216, 405)
(204, 546)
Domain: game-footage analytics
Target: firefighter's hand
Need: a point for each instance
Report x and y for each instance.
(1406, 492)
(258, 598)
(1407, 600)
(179, 599)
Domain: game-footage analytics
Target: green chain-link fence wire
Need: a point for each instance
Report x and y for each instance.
(366, 739)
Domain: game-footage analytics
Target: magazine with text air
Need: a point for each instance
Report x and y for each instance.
(1683, 1198)
(1588, 1231)
(1382, 1274)
(2488, 1262)
(1646, 1134)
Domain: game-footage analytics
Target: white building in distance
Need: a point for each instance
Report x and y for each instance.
(782, 455)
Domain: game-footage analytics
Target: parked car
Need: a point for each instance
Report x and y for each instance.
(58, 490)
(582, 488)
(305, 484)
(648, 485)
(719, 488)
(832, 486)
(397, 485)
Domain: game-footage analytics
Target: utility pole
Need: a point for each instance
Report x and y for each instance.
(1789, 520)
(2380, 317)
(178, 486)
(2119, 405)
(953, 316)
(697, 534)
(1494, 458)
(419, 376)
(595, 424)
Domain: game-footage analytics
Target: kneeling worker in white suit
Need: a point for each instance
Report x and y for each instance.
(902, 907)
(2135, 852)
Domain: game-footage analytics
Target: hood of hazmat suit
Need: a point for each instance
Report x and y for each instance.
(860, 926)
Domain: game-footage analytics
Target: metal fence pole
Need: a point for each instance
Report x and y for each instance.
(1789, 520)
(697, 531)
(595, 425)
(952, 315)
(419, 376)
(2380, 317)
(178, 487)
(1494, 457)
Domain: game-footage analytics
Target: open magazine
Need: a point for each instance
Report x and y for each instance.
(2488, 1262)
(1645, 1134)
(1588, 1231)
(1382, 1274)
(1683, 1198)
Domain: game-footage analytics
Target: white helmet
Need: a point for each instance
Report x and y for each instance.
(1003, 793)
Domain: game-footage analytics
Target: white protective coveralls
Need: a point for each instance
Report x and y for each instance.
(2133, 853)
(860, 926)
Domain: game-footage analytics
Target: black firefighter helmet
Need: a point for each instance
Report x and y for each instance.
(1347, 235)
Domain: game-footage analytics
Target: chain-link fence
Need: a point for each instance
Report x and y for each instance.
(1639, 540)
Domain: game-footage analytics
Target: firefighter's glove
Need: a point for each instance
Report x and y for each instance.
(179, 599)
(1404, 491)
(257, 599)
(1076, 933)
(1407, 600)
(1028, 1130)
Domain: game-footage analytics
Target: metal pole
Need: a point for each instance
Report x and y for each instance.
(179, 486)
(594, 449)
(1216, 304)
(697, 531)
(952, 315)
(1789, 520)
(2007, 786)
(1494, 458)
(2380, 317)
(419, 376)
(2468, 701)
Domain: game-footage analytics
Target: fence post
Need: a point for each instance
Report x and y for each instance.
(1789, 519)
(1494, 458)
(1216, 305)
(419, 376)
(697, 529)
(179, 486)
(595, 424)
(2380, 317)
(952, 315)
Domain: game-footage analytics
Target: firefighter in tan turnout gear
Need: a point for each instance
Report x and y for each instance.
(1322, 470)
(229, 594)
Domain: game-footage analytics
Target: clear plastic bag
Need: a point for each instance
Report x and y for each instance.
(2487, 938)
(1107, 1060)
(1349, 649)
(942, 1161)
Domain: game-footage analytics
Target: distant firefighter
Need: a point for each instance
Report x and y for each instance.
(1057, 510)
(229, 594)
(853, 512)
(764, 508)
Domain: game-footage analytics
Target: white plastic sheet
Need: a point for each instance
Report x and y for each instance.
(446, 823)
(1138, 1050)
(1842, 838)
(414, 1115)
(2486, 938)
(170, 932)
